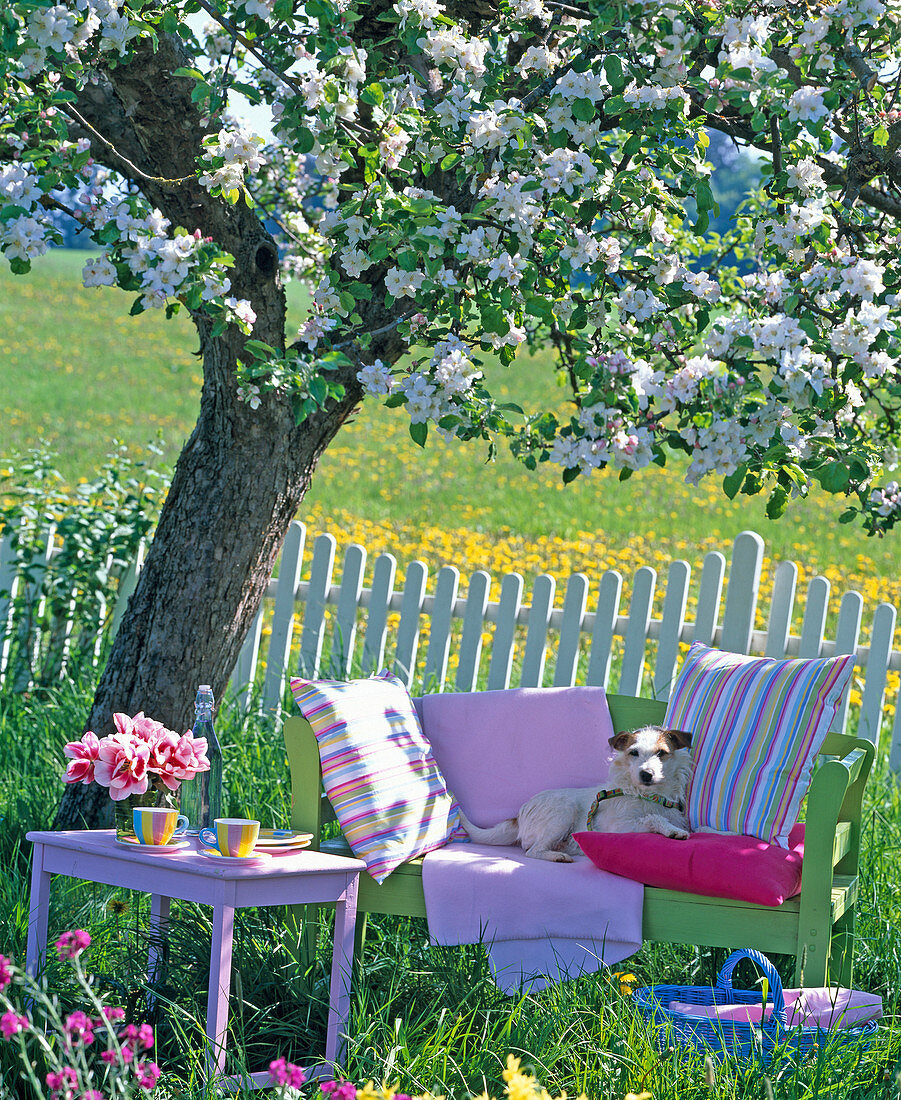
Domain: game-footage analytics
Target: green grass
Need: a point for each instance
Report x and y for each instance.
(77, 371)
(424, 1019)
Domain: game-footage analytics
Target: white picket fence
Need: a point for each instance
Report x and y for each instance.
(588, 637)
(318, 627)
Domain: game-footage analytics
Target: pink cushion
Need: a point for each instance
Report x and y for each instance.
(822, 1007)
(496, 749)
(740, 867)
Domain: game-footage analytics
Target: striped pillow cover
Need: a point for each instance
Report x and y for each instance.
(378, 770)
(757, 724)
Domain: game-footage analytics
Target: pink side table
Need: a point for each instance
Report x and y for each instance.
(288, 878)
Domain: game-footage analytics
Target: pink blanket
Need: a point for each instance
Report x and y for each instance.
(541, 922)
(823, 1007)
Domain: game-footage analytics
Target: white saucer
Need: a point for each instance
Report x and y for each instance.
(293, 846)
(211, 853)
(283, 838)
(158, 849)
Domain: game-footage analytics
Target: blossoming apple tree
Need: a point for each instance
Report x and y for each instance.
(456, 180)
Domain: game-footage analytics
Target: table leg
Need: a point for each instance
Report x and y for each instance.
(38, 913)
(342, 966)
(219, 987)
(158, 933)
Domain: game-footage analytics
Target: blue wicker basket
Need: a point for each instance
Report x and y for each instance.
(735, 1037)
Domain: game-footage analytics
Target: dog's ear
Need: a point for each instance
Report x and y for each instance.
(681, 739)
(621, 741)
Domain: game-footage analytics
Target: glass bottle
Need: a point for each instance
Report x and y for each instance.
(201, 798)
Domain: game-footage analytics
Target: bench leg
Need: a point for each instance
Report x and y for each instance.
(811, 960)
(841, 956)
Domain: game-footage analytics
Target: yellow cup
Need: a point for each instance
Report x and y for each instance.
(157, 824)
(233, 836)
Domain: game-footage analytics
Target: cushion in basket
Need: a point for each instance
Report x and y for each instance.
(757, 724)
(498, 748)
(378, 770)
(741, 867)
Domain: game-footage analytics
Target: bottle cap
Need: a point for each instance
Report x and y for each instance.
(204, 687)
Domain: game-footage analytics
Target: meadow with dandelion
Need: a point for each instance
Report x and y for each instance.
(426, 1022)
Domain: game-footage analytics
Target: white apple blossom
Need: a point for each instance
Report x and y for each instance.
(807, 105)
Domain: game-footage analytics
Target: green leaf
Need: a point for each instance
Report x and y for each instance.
(583, 110)
(259, 350)
(395, 401)
(136, 307)
(450, 161)
(570, 474)
(613, 69)
(195, 74)
(419, 432)
(373, 94)
(834, 477)
(704, 195)
(318, 389)
(848, 517)
(733, 482)
(303, 140)
(506, 354)
(880, 136)
(778, 502)
(298, 408)
(407, 260)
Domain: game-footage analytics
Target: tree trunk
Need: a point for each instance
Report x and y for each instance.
(238, 484)
(243, 473)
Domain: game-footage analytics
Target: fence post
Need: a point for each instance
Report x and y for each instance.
(741, 592)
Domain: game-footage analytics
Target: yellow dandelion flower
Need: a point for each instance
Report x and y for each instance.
(627, 982)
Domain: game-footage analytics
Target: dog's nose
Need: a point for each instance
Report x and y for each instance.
(645, 776)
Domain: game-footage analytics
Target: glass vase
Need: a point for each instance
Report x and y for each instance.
(159, 796)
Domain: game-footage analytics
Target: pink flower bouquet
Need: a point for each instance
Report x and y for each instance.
(141, 754)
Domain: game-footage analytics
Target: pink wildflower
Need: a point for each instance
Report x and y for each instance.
(92, 1094)
(6, 975)
(109, 1014)
(137, 1037)
(122, 765)
(283, 1072)
(83, 755)
(147, 1073)
(71, 944)
(339, 1090)
(11, 1024)
(61, 1084)
(79, 1027)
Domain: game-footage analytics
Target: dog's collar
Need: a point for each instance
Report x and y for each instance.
(601, 796)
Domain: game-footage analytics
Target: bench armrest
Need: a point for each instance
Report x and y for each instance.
(307, 813)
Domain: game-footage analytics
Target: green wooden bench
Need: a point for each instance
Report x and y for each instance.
(816, 926)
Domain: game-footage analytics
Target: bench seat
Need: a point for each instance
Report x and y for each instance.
(816, 926)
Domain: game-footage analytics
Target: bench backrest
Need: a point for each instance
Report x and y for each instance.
(310, 809)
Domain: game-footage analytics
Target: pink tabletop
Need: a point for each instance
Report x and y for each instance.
(103, 843)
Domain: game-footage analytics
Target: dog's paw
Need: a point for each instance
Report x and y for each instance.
(676, 834)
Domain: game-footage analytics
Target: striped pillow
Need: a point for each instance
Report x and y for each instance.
(378, 770)
(757, 725)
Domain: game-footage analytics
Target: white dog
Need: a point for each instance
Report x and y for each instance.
(645, 793)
